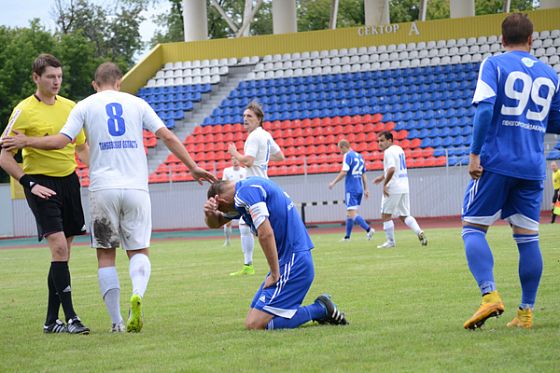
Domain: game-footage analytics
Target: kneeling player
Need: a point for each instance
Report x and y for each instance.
(287, 247)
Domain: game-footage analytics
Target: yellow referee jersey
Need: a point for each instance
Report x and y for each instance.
(34, 118)
(556, 179)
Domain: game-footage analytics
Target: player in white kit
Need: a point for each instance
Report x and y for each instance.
(259, 149)
(233, 173)
(119, 200)
(395, 200)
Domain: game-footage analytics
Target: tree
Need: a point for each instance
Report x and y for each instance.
(115, 32)
(20, 48)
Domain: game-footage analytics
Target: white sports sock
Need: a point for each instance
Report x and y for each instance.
(412, 224)
(227, 232)
(389, 228)
(140, 269)
(247, 243)
(110, 291)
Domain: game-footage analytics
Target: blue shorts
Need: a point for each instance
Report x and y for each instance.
(495, 196)
(352, 200)
(284, 298)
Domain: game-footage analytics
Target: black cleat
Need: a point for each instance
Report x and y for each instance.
(334, 316)
(56, 327)
(75, 326)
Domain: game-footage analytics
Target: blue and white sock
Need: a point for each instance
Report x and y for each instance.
(479, 258)
(304, 314)
(530, 267)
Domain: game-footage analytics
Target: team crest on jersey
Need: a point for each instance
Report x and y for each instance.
(528, 62)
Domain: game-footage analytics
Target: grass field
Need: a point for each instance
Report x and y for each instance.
(406, 308)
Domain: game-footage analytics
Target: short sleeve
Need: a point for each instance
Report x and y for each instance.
(75, 124)
(251, 146)
(16, 122)
(274, 147)
(346, 162)
(390, 159)
(151, 120)
(487, 84)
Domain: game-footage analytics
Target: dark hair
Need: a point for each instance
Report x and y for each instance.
(43, 61)
(107, 73)
(387, 134)
(516, 29)
(256, 108)
(216, 188)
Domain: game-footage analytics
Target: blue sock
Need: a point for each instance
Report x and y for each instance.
(304, 314)
(361, 222)
(349, 226)
(530, 267)
(479, 258)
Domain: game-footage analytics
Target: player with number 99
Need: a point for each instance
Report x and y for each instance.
(517, 102)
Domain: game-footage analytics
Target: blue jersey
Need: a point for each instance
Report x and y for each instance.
(523, 91)
(353, 164)
(257, 198)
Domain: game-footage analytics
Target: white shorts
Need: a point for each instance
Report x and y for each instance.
(120, 217)
(396, 205)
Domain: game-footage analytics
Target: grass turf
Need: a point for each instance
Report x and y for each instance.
(406, 308)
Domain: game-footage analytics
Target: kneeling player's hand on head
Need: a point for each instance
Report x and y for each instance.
(211, 206)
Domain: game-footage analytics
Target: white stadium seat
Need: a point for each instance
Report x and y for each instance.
(545, 34)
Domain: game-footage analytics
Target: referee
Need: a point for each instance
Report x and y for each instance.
(51, 186)
(556, 186)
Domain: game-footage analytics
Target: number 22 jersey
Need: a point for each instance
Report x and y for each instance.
(523, 91)
(113, 122)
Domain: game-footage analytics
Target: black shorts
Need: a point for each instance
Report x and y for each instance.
(555, 196)
(60, 213)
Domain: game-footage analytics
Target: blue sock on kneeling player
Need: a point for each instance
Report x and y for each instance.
(530, 267)
(479, 258)
(304, 314)
(361, 222)
(349, 226)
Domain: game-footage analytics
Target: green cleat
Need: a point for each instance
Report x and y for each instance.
(135, 314)
(248, 269)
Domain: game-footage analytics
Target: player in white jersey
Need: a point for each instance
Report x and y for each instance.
(119, 201)
(233, 173)
(395, 200)
(259, 149)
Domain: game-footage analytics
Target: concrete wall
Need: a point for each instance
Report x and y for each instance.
(434, 192)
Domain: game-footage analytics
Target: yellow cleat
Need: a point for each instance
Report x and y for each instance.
(247, 270)
(491, 306)
(524, 319)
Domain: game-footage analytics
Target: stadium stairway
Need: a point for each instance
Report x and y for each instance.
(183, 128)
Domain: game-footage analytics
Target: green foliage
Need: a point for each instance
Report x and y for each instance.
(406, 308)
(114, 32)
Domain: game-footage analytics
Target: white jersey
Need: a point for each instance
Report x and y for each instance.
(234, 175)
(113, 122)
(260, 145)
(394, 157)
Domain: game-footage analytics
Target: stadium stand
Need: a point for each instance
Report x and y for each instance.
(421, 91)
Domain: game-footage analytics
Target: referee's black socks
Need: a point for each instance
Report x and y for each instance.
(61, 280)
